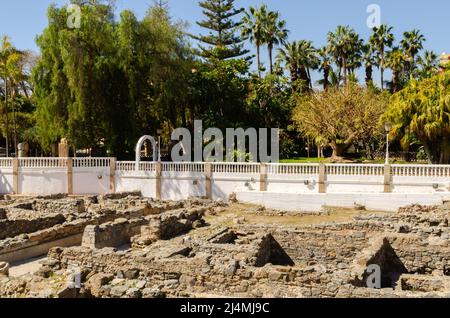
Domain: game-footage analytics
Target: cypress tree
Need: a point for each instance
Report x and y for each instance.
(222, 42)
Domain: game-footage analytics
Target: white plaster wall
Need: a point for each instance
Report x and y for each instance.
(293, 183)
(180, 185)
(354, 183)
(91, 180)
(402, 184)
(137, 181)
(42, 181)
(6, 180)
(314, 202)
(224, 184)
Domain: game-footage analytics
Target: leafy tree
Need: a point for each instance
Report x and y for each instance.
(422, 111)
(270, 101)
(218, 94)
(222, 41)
(340, 116)
(107, 83)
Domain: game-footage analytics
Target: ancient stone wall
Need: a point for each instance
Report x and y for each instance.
(11, 228)
(112, 234)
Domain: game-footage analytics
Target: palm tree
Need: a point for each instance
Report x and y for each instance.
(412, 43)
(396, 60)
(369, 62)
(381, 39)
(16, 77)
(289, 55)
(253, 29)
(324, 66)
(6, 53)
(275, 33)
(299, 57)
(345, 46)
(429, 64)
(308, 59)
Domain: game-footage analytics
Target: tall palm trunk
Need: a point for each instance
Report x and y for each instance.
(413, 66)
(14, 121)
(344, 70)
(6, 114)
(270, 47)
(293, 70)
(369, 72)
(308, 72)
(382, 68)
(258, 59)
(326, 75)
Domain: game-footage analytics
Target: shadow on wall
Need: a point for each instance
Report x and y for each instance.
(5, 186)
(390, 264)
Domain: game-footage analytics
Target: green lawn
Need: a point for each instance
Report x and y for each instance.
(303, 160)
(319, 160)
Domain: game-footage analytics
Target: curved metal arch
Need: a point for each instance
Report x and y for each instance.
(139, 147)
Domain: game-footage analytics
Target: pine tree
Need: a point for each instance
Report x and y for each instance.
(222, 41)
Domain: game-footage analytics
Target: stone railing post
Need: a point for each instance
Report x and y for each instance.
(15, 166)
(158, 169)
(69, 176)
(322, 178)
(387, 179)
(112, 174)
(263, 184)
(208, 180)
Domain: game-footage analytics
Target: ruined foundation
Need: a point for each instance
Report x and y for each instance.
(126, 246)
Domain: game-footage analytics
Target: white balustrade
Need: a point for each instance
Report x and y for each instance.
(43, 162)
(6, 162)
(355, 169)
(91, 162)
(421, 171)
(238, 168)
(183, 167)
(293, 169)
(125, 165)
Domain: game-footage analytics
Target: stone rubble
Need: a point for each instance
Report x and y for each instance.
(131, 247)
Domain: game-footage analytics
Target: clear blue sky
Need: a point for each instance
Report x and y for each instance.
(22, 20)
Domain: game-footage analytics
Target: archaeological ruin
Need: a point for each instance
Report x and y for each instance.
(125, 246)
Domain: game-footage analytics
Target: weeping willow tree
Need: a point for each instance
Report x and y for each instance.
(106, 83)
(422, 111)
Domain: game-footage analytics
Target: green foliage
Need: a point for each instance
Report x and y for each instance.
(270, 101)
(341, 117)
(222, 41)
(422, 111)
(107, 83)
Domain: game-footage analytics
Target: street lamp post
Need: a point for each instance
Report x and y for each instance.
(159, 132)
(387, 128)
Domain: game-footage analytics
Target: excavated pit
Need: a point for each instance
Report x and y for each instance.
(125, 246)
